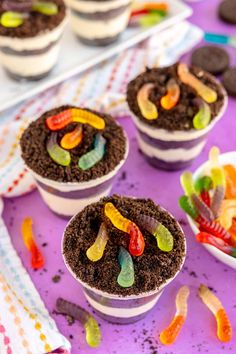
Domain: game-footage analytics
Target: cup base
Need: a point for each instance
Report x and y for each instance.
(17, 77)
(98, 42)
(168, 166)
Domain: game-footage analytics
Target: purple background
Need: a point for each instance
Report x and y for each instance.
(199, 332)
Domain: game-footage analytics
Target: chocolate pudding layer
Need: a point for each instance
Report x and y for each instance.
(152, 269)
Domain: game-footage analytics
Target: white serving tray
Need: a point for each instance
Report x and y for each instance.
(76, 57)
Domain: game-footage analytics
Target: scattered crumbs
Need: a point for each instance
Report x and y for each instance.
(205, 276)
(123, 176)
(212, 289)
(182, 222)
(193, 274)
(45, 270)
(70, 320)
(60, 271)
(44, 244)
(71, 336)
(56, 278)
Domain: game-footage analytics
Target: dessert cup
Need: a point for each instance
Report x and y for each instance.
(31, 57)
(68, 188)
(169, 141)
(118, 308)
(99, 23)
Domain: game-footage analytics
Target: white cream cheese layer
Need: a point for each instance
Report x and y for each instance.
(96, 6)
(99, 29)
(170, 155)
(31, 65)
(33, 43)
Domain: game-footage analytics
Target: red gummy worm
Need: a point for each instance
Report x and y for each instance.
(37, 260)
(137, 243)
(139, 12)
(59, 121)
(205, 196)
(214, 228)
(204, 237)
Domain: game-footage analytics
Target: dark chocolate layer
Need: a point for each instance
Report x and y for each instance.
(24, 53)
(101, 15)
(27, 78)
(168, 166)
(99, 42)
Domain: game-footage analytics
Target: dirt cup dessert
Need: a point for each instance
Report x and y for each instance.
(123, 251)
(174, 108)
(30, 33)
(74, 155)
(99, 22)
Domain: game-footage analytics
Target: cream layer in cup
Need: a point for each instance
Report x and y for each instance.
(99, 22)
(115, 307)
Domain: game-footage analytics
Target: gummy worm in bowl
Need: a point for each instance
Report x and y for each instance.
(163, 236)
(169, 335)
(92, 330)
(224, 329)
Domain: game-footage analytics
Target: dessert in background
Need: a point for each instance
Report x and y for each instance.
(30, 33)
(99, 22)
(74, 155)
(173, 109)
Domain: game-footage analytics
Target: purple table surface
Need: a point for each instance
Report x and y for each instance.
(199, 331)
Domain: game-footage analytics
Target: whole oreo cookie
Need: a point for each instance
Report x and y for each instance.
(213, 59)
(227, 11)
(229, 81)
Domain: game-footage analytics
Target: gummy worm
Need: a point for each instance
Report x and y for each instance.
(92, 330)
(95, 252)
(37, 260)
(202, 208)
(205, 92)
(203, 116)
(169, 335)
(224, 329)
(217, 200)
(170, 100)
(92, 157)
(186, 180)
(62, 119)
(163, 236)
(72, 139)
(204, 237)
(137, 243)
(126, 276)
(147, 108)
(57, 154)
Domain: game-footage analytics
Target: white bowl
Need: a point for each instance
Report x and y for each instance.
(227, 158)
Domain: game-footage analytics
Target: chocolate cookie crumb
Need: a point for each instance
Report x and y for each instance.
(181, 116)
(33, 146)
(152, 269)
(56, 278)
